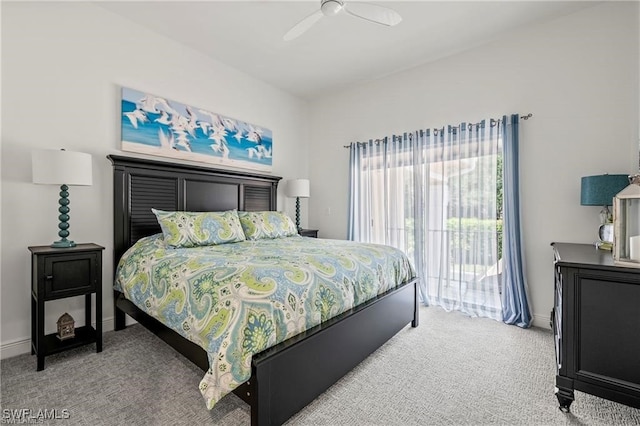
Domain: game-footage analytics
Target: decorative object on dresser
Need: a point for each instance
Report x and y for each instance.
(596, 325)
(61, 167)
(57, 273)
(599, 190)
(154, 125)
(626, 220)
(298, 188)
(313, 233)
(288, 376)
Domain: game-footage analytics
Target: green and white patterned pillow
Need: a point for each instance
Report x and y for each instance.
(194, 229)
(266, 224)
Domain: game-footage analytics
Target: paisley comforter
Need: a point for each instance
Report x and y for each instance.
(237, 299)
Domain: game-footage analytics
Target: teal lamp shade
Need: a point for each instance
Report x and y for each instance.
(599, 190)
(60, 167)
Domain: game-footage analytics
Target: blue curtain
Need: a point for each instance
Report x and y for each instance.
(515, 301)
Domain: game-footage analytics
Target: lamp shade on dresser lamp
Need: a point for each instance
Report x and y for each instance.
(64, 168)
(298, 188)
(599, 190)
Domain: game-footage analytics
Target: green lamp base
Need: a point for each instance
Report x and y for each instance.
(64, 220)
(63, 243)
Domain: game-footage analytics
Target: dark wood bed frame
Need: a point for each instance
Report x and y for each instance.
(288, 376)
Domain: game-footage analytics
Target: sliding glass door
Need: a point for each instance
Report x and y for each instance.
(438, 196)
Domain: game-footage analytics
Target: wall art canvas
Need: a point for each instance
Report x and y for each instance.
(158, 126)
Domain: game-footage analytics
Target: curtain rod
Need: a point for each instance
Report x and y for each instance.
(522, 117)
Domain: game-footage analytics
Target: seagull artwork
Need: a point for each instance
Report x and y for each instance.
(166, 141)
(254, 153)
(136, 116)
(182, 141)
(238, 136)
(266, 153)
(218, 134)
(205, 127)
(229, 124)
(164, 118)
(149, 102)
(193, 118)
(190, 127)
(254, 137)
(254, 134)
(215, 119)
(221, 148)
(180, 124)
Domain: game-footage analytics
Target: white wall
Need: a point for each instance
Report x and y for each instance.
(62, 68)
(578, 75)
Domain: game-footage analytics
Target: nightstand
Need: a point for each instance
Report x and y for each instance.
(313, 233)
(57, 273)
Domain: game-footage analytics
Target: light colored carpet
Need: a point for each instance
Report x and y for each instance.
(451, 370)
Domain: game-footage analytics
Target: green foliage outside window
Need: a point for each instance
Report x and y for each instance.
(471, 234)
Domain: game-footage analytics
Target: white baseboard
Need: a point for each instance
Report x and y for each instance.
(23, 346)
(18, 347)
(541, 321)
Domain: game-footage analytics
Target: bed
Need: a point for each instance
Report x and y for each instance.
(283, 378)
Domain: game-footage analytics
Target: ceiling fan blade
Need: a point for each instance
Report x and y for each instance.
(373, 13)
(303, 25)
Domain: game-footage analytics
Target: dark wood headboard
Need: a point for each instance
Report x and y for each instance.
(141, 184)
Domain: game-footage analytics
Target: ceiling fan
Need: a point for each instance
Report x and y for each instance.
(370, 12)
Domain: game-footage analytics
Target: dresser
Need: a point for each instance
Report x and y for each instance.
(596, 325)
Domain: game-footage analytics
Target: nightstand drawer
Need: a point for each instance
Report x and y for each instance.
(70, 275)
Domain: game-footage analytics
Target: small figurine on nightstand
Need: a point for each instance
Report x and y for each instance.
(66, 327)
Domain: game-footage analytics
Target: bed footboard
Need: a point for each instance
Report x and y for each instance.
(289, 376)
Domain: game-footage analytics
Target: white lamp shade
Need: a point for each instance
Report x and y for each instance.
(298, 188)
(59, 167)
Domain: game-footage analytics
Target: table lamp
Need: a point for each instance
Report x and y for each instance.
(298, 188)
(60, 167)
(599, 190)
